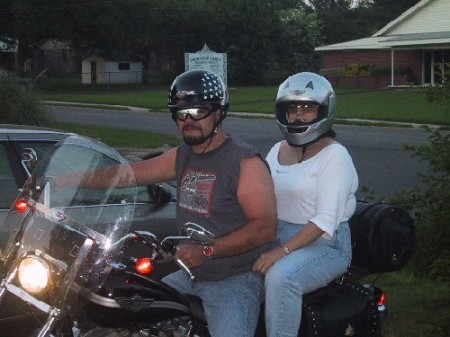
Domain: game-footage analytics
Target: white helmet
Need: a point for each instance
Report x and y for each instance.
(302, 88)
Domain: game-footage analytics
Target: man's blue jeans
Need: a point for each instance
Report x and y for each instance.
(231, 305)
(301, 272)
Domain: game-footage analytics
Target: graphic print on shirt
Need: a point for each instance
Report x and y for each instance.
(196, 191)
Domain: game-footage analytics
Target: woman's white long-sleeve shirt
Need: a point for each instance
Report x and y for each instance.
(320, 189)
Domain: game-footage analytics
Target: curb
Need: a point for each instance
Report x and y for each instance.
(96, 105)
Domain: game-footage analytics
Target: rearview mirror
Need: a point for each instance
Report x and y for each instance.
(159, 194)
(29, 160)
(197, 234)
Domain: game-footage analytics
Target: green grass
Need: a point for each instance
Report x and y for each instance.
(392, 105)
(406, 105)
(121, 137)
(416, 307)
(151, 99)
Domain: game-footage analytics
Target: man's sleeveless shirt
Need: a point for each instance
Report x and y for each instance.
(207, 195)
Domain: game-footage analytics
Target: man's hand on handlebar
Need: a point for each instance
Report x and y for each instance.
(191, 255)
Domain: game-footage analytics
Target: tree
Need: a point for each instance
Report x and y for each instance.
(246, 35)
(344, 20)
(6, 19)
(387, 10)
(372, 15)
(297, 36)
(339, 20)
(160, 32)
(18, 103)
(106, 26)
(333, 5)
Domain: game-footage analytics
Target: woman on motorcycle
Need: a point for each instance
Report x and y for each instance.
(315, 184)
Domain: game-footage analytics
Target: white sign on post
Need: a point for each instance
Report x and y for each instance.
(207, 59)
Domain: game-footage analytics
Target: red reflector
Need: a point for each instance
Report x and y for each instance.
(144, 265)
(21, 205)
(382, 299)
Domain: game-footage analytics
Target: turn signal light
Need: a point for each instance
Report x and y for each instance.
(21, 205)
(144, 266)
(381, 299)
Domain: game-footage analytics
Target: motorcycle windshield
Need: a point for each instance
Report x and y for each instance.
(81, 200)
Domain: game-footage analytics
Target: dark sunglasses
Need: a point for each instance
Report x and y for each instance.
(195, 113)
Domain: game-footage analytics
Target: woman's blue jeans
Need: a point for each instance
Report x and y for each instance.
(301, 272)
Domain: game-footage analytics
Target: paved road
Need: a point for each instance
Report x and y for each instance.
(382, 165)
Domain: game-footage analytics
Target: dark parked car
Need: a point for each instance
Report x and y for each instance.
(20, 149)
(17, 144)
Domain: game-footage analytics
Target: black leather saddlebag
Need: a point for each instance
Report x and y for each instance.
(383, 237)
(340, 310)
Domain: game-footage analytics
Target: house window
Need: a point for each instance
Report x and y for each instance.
(124, 66)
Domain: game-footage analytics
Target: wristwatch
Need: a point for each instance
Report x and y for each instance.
(208, 251)
(286, 249)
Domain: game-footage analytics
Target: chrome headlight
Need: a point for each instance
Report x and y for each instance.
(34, 274)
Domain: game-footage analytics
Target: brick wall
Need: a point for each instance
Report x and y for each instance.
(366, 82)
(403, 59)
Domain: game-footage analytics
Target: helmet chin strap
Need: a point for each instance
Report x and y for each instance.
(211, 135)
(215, 129)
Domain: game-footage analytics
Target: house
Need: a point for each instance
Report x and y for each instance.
(53, 57)
(96, 69)
(404, 51)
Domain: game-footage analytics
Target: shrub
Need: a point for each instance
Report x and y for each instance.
(377, 70)
(358, 70)
(18, 103)
(365, 70)
(440, 93)
(431, 208)
(332, 72)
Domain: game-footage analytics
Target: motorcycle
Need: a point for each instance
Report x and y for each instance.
(71, 255)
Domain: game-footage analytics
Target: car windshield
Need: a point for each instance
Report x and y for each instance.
(97, 172)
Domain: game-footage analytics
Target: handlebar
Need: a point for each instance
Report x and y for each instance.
(166, 247)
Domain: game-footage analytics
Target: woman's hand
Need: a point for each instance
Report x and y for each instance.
(268, 259)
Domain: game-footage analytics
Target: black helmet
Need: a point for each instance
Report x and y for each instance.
(196, 88)
(305, 87)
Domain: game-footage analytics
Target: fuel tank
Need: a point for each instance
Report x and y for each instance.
(129, 299)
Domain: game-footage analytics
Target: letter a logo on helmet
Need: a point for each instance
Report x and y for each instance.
(310, 85)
